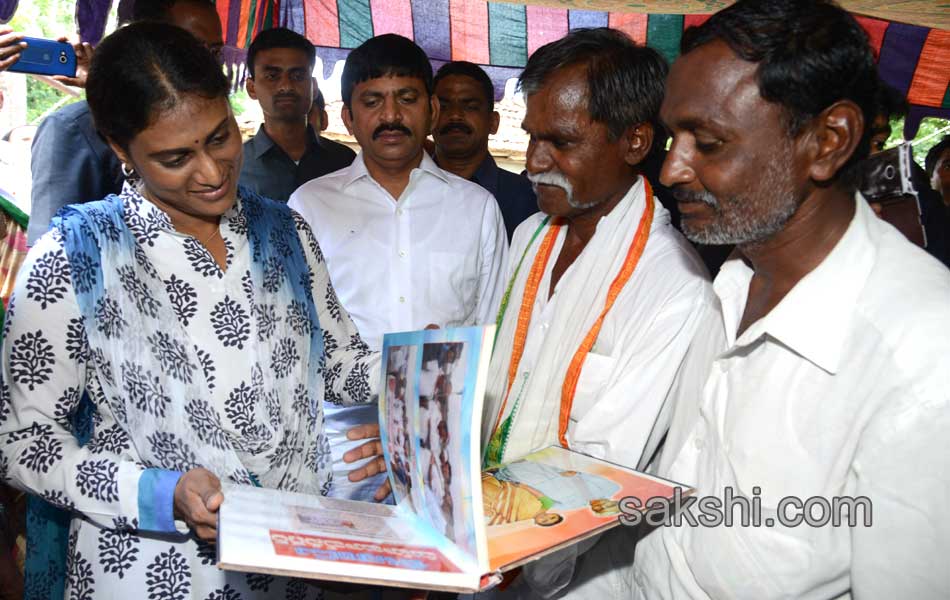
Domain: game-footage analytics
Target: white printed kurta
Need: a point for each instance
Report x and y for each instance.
(47, 365)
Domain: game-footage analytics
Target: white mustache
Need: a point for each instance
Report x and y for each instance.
(557, 179)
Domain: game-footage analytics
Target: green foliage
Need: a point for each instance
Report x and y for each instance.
(41, 98)
(928, 127)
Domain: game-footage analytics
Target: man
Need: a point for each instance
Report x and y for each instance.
(828, 374)
(318, 117)
(606, 294)
(938, 168)
(467, 116)
(70, 162)
(285, 153)
(407, 244)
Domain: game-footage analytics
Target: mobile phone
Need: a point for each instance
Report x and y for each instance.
(886, 180)
(46, 57)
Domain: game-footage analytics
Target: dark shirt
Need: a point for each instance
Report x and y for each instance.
(270, 172)
(71, 164)
(512, 192)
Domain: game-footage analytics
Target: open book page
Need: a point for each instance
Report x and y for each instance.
(434, 383)
(555, 497)
(300, 535)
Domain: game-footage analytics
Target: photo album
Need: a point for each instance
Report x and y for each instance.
(453, 525)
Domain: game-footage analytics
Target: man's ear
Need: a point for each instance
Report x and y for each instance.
(249, 86)
(834, 137)
(347, 119)
(435, 106)
(324, 120)
(495, 121)
(637, 143)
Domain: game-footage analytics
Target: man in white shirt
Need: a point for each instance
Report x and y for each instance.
(828, 376)
(605, 294)
(407, 244)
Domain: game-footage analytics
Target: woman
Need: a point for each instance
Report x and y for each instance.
(199, 320)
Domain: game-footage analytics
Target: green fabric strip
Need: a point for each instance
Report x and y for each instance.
(507, 34)
(356, 22)
(946, 99)
(664, 33)
(21, 218)
(251, 21)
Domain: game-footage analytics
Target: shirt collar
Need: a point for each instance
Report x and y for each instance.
(358, 170)
(814, 318)
(262, 143)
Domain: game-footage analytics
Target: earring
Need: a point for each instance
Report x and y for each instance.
(127, 171)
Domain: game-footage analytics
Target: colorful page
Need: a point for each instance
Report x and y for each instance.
(433, 386)
(300, 535)
(554, 498)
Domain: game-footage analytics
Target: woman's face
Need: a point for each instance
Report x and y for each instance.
(189, 159)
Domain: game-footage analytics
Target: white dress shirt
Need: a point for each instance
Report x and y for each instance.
(434, 255)
(843, 389)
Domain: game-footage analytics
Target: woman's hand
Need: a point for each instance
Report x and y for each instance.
(372, 448)
(197, 500)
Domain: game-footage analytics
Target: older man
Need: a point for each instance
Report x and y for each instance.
(407, 244)
(605, 295)
(828, 375)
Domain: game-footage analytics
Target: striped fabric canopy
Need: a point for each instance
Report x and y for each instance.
(501, 35)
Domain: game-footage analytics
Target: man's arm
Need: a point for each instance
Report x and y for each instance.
(902, 468)
(68, 167)
(491, 277)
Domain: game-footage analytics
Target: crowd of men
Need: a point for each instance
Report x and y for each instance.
(815, 365)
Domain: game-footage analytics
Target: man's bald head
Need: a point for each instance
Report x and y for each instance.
(197, 17)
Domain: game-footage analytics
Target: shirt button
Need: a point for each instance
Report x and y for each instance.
(698, 443)
(402, 299)
(399, 212)
(402, 253)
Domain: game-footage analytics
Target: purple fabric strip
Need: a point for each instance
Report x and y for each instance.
(578, 19)
(234, 22)
(91, 17)
(330, 56)
(899, 54)
(292, 17)
(430, 27)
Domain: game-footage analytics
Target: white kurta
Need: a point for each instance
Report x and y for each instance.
(435, 255)
(47, 365)
(627, 376)
(843, 389)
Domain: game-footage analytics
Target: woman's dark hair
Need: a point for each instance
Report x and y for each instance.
(624, 80)
(144, 69)
(387, 55)
(810, 54)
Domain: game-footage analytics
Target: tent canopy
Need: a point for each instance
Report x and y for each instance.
(911, 37)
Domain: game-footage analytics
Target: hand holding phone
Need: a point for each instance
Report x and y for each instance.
(46, 57)
(11, 45)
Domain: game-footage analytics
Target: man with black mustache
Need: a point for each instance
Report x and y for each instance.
(407, 244)
(467, 116)
(285, 153)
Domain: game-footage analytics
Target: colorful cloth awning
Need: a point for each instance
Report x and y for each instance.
(500, 35)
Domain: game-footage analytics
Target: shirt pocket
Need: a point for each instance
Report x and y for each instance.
(453, 285)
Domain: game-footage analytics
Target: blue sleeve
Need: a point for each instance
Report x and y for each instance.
(157, 500)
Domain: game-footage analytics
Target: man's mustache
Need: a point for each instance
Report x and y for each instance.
(686, 196)
(391, 127)
(279, 97)
(463, 127)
